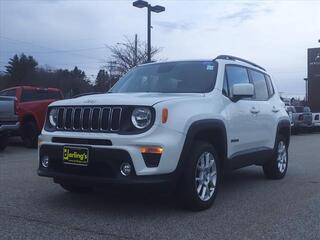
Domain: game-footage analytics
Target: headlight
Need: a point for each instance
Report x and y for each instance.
(53, 117)
(141, 117)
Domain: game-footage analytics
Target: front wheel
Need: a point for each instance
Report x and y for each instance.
(277, 167)
(30, 134)
(199, 184)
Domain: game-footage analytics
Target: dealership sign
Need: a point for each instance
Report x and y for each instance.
(313, 62)
(314, 79)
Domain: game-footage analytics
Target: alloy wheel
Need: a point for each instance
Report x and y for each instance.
(206, 176)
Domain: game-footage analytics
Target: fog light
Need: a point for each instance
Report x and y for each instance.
(125, 169)
(45, 161)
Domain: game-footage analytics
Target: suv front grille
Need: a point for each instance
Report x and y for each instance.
(89, 119)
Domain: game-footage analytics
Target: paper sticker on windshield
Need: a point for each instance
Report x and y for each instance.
(210, 67)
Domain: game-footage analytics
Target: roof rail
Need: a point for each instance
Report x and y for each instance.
(228, 57)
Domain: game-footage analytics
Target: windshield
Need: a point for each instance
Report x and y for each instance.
(171, 77)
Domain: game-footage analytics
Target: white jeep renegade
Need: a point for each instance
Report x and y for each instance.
(182, 122)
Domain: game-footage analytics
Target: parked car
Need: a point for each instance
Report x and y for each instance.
(182, 123)
(31, 106)
(290, 110)
(301, 117)
(8, 119)
(316, 120)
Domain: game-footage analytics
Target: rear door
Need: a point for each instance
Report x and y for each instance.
(7, 109)
(8, 105)
(267, 117)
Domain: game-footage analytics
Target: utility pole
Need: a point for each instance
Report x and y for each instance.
(149, 34)
(136, 49)
(111, 70)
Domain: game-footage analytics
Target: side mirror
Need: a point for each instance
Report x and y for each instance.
(242, 90)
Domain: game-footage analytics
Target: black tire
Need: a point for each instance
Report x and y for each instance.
(30, 134)
(272, 169)
(187, 187)
(75, 188)
(3, 142)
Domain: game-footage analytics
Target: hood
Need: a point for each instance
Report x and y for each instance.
(143, 99)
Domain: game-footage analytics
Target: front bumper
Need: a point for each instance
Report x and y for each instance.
(317, 124)
(104, 167)
(304, 125)
(105, 160)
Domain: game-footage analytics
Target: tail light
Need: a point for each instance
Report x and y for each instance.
(301, 117)
(15, 106)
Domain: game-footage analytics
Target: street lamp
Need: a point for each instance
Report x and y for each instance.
(156, 9)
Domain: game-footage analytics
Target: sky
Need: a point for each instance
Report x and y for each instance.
(68, 33)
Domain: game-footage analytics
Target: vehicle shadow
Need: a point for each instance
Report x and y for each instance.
(15, 142)
(146, 198)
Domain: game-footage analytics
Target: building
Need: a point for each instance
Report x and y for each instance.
(313, 80)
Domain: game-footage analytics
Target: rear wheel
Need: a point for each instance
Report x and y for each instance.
(277, 167)
(75, 188)
(30, 134)
(199, 184)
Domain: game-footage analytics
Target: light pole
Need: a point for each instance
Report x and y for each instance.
(307, 88)
(156, 9)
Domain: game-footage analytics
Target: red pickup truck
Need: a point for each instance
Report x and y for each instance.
(31, 107)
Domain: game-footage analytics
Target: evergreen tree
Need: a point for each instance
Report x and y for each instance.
(102, 81)
(21, 69)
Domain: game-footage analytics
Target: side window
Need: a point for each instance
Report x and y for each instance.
(260, 85)
(236, 74)
(38, 95)
(29, 96)
(9, 93)
(270, 86)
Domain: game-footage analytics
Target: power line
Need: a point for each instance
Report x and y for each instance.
(59, 51)
(44, 47)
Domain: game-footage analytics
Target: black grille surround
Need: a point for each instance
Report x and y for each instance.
(106, 119)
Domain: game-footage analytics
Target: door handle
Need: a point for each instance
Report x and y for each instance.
(254, 110)
(275, 110)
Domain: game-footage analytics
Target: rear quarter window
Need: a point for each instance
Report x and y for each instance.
(270, 85)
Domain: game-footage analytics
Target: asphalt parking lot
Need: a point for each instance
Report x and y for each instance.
(248, 206)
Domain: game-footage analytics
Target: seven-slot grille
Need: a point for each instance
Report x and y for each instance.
(89, 119)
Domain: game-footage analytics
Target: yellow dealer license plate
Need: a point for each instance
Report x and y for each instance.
(76, 156)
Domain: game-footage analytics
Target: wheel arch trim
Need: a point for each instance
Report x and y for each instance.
(283, 128)
(196, 128)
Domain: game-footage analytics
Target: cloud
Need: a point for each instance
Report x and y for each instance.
(170, 26)
(247, 13)
(240, 16)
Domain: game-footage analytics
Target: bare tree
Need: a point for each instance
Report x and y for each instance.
(128, 54)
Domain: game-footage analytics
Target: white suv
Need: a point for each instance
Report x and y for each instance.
(182, 122)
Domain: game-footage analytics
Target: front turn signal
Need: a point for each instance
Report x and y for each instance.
(156, 150)
(164, 115)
